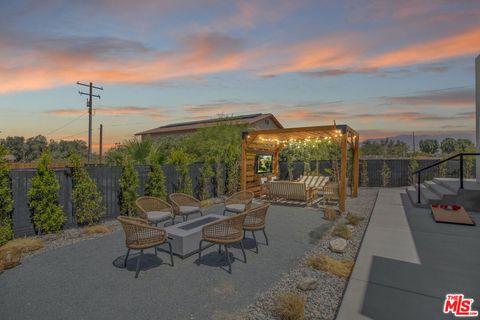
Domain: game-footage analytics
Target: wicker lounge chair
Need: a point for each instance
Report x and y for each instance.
(238, 202)
(291, 190)
(154, 210)
(224, 232)
(184, 205)
(140, 236)
(255, 220)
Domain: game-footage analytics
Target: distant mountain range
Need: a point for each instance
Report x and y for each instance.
(440, 136)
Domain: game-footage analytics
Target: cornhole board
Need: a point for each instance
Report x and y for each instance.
(459, 216)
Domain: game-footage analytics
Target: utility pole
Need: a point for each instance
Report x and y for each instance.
(414, 147)
(101, 143)
(89, 106)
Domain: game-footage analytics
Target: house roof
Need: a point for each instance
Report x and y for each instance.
(247, 119)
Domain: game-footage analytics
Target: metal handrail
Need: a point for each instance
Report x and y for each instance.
(461, 155)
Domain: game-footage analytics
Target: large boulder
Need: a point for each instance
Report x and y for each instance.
(338, 245)
(307, 283)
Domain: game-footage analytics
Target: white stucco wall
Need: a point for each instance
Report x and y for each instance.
(477, 115)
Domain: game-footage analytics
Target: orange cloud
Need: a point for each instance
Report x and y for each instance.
(65, 61)
(461, 44)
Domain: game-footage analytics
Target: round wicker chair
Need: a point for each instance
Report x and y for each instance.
(239, 202)
(255, 220)
(224, 232)
(153, 209)
(140, 236)
(184, 205)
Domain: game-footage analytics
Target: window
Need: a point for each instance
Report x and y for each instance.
(267, 121)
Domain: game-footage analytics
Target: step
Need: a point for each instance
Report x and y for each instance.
(412, 194)
(439, 189)
(429, 196)
(452, 184)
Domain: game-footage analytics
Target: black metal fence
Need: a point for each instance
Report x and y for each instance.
(107, 178)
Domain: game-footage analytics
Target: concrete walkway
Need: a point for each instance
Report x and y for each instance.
(408, 263)
(87, 281)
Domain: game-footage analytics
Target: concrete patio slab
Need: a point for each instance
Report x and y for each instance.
(408, 263)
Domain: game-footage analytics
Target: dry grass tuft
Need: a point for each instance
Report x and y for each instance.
(340, 268)
(23, 244)
(342, 231)
(290, 306)
(353, 219)
(96, 229)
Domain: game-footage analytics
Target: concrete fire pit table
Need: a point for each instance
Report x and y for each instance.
(186, 236)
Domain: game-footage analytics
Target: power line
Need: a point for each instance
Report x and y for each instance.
(66, 124)
(73, 135)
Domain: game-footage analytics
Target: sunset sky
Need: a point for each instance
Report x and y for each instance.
(382, 66)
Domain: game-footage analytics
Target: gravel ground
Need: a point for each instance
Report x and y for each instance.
(70, 236)
(322, 302)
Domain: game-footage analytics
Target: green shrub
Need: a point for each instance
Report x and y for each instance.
(156, 182)
(341, 230)
(6, 200)
(86, 200)
(182, 161)
(128, 188)
(412, 167)
(385, 174)
(364, 174)
(43, 195)
(206, 173)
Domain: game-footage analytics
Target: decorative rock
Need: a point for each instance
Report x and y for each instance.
(307, 283)
(350, 227)
(338, 245)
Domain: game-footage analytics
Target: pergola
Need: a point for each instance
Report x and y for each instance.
(272, 141)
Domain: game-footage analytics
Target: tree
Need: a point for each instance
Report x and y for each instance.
(464, 145)
(139, 150)
(448, 145)
(6, 200)
(34, 147)
(63, 149)
(384, 148)
(15, 145)
(116, 156)
(429, 146)
(155, 186)
(86, 200)
(128, 187)
(47, 213)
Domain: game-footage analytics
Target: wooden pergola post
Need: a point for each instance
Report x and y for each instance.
(243, 174)
(356, 166)
(343, 174)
